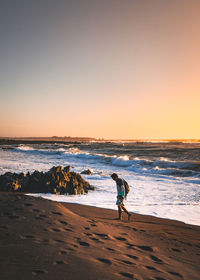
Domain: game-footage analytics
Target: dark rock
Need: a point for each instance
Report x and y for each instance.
(21, 176)
(57, 180)
(86, 172)
(67, 169)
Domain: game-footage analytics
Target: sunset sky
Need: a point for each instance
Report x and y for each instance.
(112, 69)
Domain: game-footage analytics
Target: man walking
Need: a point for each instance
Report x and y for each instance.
(121, 194)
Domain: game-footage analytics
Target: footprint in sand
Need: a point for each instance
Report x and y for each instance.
(175, 274)
(120, 238)
(63, 252)
(43, 216)
(87, 233)
(103, 236)
(59, 262)
(39, 272)
(63, 222)
(130, 244)
(85, 244)
(125, 261)
(29, 236)
(151, 268)
(176, 250)
(92, 221)
(132, 247)
(146, 248)
(110, 249)
(56, 229)
(59, 241)
(56, 213)
(68, 229)
(159, 278)
(155, 259)
(132, 257)
(126, 274)
(96, 240)
(87, 228)
(128, 262)
(106, 261)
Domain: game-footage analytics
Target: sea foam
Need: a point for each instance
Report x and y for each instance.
(164, 177)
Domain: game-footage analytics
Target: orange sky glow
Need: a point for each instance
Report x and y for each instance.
(115, 70)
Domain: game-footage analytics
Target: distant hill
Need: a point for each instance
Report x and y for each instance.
(30, 140)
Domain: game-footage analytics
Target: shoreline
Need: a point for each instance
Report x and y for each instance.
(46, 196)
(43, 239)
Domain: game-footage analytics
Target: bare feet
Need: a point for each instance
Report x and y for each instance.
(129, 217)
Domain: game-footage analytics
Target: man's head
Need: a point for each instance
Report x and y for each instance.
(114, 176)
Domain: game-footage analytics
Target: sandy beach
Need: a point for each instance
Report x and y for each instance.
(41, 239)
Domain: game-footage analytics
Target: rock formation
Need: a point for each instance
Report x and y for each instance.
(57, 180)
(86, 172)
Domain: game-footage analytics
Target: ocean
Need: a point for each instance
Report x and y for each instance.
(164, 177)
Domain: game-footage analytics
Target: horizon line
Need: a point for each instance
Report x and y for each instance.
(97, 138)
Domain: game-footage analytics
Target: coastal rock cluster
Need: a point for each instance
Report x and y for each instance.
(86, 172)
(57, 180)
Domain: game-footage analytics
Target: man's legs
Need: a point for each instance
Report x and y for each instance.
(125, 210)
(120, 212)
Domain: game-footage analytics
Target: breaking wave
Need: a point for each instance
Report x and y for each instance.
(160, 166)
(164, 178)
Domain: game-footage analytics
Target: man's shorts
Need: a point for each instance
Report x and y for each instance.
(120, 201)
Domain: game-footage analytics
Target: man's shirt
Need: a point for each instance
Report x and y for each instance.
(120, 188)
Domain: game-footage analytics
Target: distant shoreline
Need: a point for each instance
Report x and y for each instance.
(55, 139)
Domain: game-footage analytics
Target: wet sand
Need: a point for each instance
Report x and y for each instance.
(41, 239)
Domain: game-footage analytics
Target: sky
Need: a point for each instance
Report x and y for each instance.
(127, 69)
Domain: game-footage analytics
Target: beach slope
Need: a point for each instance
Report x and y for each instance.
(42, 239)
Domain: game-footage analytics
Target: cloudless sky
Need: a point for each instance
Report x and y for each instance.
(112, 69)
